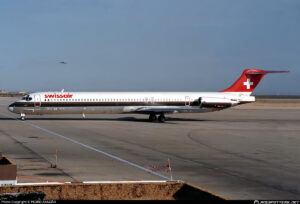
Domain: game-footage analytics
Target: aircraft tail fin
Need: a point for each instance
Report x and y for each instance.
(249, 79)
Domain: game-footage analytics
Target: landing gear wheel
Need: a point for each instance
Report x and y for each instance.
(161, 118)
(152, 118)
(22, 116)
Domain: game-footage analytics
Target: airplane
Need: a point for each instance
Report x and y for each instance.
(151, 103)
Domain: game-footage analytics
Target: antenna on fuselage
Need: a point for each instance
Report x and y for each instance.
(62, 90)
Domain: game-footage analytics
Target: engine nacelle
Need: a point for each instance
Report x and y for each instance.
(210, 102)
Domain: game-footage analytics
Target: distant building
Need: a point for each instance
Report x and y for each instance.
(22, 92)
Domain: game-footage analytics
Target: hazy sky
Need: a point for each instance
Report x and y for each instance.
(148, 45)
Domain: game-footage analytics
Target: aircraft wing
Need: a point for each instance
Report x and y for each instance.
(184, 109)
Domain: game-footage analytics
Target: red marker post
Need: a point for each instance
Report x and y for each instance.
(169, 169)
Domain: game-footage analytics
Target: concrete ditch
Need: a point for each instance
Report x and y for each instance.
(170, 190)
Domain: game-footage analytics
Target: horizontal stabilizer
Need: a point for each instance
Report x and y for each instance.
(267, 72)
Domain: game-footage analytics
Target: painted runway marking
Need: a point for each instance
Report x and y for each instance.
(89, 147)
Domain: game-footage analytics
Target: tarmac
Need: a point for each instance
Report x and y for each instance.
(246, 152)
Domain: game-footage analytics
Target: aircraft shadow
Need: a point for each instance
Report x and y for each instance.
(129, 119)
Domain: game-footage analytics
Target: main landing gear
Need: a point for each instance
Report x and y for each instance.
(22, 116)
(161, 118)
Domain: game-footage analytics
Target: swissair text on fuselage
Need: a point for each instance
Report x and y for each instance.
(58, 95)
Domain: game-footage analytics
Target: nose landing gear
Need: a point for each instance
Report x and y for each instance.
(161, 118)
(22, 116)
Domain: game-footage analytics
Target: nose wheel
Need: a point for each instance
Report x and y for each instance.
(22, 116)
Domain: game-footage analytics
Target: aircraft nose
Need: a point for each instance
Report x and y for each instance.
(11, 107)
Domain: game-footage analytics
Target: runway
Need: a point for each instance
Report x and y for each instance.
(247, 152)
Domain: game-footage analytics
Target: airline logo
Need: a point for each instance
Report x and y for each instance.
(58, 95)
(248, 83)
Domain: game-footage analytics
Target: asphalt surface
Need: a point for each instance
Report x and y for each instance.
(248, 152)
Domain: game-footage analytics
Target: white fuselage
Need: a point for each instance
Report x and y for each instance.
(126, 102)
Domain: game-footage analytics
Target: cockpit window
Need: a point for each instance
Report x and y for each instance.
(27, 98)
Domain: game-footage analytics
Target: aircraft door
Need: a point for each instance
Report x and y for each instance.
(146, 100)
(37, 102)
(187, 101)
(149, 100)
(152, 100)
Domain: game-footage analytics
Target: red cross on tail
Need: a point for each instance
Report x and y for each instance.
(249, 80)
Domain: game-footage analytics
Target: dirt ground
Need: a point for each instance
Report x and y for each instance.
(117, 191)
